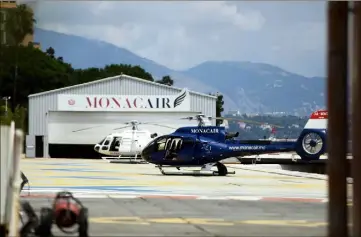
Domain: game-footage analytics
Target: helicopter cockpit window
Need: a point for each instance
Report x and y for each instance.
(179, 145)
(115, 143)
(107, 141)
(174, 144)
(101, 142)
(161, 144)
(168, 143)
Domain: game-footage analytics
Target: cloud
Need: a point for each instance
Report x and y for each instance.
(182, 34)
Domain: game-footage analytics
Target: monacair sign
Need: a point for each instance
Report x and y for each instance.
(180, 102)
(204, 130)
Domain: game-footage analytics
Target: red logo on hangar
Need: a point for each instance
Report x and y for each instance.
(71, 102)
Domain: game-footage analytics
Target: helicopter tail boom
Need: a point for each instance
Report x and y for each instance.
(310, 145)
(258, 147)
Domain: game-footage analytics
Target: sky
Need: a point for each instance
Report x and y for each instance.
(180, 35)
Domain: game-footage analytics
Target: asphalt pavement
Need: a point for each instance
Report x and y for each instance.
(100, 177)
(174, 217)
(136, 200)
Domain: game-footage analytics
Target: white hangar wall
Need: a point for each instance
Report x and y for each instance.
(43, 107)
(88, 128)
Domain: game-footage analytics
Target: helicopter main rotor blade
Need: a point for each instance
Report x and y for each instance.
(233, 119)
(160, 125)
(248, 121)
(83, 129)
(122, 127)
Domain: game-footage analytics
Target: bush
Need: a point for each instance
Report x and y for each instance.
(19, 117)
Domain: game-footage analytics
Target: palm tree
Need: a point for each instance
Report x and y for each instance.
(19, 23)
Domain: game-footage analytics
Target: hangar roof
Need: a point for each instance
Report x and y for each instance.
(121, 76)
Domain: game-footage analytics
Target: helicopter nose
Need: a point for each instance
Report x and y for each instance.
(97, 147)
(146, 154)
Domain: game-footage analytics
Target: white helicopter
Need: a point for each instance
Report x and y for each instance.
(126, 144)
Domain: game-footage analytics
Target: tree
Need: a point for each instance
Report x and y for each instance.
(19, 117)
(5, 118)
(166, 80)
(19, 23)
(219, 106)
(91, 74)
(38, 72)
(51, 52)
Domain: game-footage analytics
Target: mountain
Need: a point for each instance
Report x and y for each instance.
(259, 87)
(246, 86)
(84, 53)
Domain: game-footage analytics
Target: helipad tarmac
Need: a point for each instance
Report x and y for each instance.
(102, 178)
(136, 200)
(169, 217)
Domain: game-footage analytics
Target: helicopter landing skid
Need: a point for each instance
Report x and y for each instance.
(125, 159)
(204, 171)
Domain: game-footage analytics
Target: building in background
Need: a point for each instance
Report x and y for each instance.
(5, 7)
(68, 122)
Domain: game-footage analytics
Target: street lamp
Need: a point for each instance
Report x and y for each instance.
(6, 98)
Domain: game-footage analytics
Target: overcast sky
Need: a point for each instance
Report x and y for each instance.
(180, 35)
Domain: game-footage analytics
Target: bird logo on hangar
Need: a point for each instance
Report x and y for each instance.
(180, 99)
(71, 102)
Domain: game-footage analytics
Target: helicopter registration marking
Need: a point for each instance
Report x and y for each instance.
(247, 148)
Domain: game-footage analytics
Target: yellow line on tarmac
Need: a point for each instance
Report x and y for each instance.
(92, 182)
(119, 220)
(298, 223)
(43, 181)
(205, 221)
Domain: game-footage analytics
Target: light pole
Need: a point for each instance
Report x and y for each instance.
(6, 104)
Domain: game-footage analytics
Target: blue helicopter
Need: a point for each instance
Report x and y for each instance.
(205, 145)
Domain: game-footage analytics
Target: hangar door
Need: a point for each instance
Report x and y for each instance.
(88, 128)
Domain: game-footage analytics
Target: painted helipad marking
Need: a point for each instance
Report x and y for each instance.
(101, 180)
(113, 195)
(204, 221)
(245, 198)
(211, 198)
(293, 199)
(295, 223)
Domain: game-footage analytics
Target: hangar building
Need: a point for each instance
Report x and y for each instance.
(67, 122)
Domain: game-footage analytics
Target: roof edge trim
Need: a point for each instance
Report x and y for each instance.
(121, 76)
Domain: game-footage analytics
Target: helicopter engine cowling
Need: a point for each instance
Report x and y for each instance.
(230, 135)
